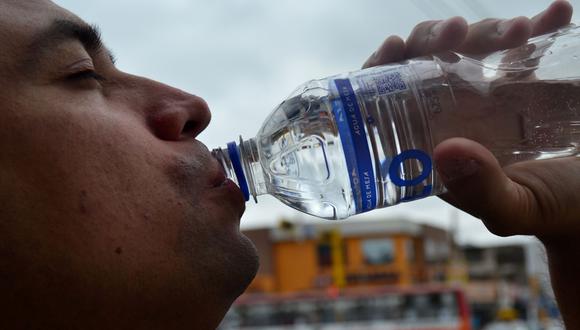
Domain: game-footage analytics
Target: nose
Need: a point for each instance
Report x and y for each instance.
(175, 115)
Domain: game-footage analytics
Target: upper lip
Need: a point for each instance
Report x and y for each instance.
(219, 176)
(216, 174)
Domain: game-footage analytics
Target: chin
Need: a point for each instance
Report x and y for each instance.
(243, 269)
(223, 258)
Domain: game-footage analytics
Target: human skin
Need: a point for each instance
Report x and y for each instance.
(112, 214)
(537, 198)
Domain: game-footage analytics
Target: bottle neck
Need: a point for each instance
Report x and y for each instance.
(241, 164)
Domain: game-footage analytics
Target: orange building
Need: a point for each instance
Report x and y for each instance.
(350, 254)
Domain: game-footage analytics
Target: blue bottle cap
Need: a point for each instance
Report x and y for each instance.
(238, 169)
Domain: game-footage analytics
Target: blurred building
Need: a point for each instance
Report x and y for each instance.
(494, 273)
(303, 257)
(515, 274)
(493, 263)
(398, 271)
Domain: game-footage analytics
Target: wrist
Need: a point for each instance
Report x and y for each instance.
(563, 254)
(561, 246)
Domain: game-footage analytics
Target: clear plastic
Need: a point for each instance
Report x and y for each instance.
(523, 104)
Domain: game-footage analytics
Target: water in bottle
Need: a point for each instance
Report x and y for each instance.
(354, 142)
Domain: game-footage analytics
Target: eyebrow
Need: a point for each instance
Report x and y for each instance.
(61, 31)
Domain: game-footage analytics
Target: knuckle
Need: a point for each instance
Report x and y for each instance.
(485, 23)
(423, 28)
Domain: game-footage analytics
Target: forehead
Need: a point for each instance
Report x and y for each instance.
(29, 13)
(21, 21)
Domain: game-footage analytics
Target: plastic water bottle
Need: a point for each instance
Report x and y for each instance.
(355, 142)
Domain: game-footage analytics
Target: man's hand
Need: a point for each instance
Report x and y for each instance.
(454, 34)
(536, 198)
(540, 198)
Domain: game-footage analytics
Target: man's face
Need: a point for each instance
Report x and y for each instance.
(109, 206)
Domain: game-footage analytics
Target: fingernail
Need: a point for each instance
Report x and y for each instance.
(436, 29)
(503, 26)
(457, 168)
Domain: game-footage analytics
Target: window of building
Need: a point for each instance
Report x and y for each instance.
(324, 254)
(473, 254)
(510, 256)
(410, 249)
(436, 250)
(378, 251)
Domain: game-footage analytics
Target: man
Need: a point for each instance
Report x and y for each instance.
(113, 216)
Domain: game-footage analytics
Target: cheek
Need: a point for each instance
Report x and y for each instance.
(58, 146)
(45, 125)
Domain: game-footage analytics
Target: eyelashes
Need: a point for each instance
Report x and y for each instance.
(86, 75)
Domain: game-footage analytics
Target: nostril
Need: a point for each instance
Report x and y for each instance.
(176, 117)
(189, 128)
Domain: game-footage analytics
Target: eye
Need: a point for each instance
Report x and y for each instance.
(86, 75)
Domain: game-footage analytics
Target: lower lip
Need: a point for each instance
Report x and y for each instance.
(231, 188)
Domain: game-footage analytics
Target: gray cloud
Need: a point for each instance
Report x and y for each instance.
(244, 57)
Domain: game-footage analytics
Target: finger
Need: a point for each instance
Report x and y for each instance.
(435, 36)
(557, 15)
(494, 34)
(448, 197)
(477, 184)
(392, 50)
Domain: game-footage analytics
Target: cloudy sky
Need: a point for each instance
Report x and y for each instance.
(244, 56)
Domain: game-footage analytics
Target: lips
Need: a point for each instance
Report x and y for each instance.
(208, 167)
(219, 178)
(221, 182)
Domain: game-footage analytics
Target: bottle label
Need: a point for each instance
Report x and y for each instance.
(409, 169)
(382, 82)
(353, 136)
(405, 171)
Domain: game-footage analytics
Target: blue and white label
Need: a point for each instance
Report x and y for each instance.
(383, 82)
(412, 184)
(391, 82)
(353, 136)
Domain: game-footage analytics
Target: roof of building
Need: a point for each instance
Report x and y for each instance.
(297, 230)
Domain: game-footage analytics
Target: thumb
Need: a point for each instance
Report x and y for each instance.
(477, 184)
